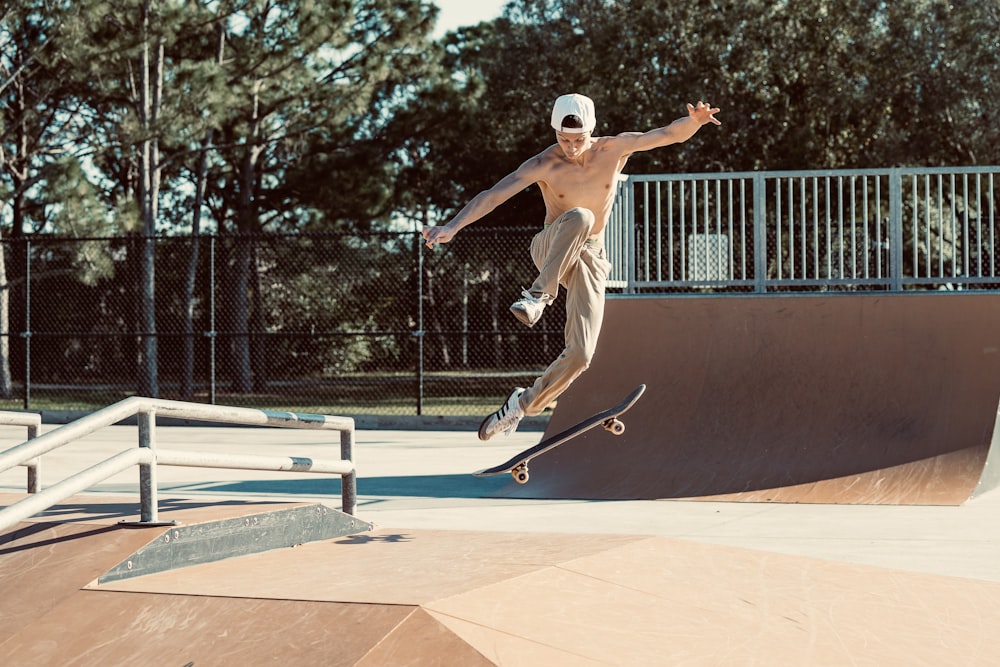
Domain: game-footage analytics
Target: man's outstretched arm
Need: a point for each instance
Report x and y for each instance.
(677, 132)
(484, 203)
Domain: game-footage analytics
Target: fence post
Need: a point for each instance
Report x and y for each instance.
(211, 320)
(759, 234)
(896, 230)
(632, 269)
(419, 333)
(26, 334)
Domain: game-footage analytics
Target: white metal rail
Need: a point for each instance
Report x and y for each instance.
(147, 455)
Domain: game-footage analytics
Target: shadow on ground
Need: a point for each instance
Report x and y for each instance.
(422, 486)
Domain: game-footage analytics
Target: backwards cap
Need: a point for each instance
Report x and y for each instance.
(574, 114)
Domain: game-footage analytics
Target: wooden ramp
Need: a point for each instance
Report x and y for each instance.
(473, 598)
(794, 398)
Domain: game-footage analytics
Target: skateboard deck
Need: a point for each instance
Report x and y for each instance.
(518, 466)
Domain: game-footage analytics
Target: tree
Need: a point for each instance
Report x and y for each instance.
(125, 47)
(251, 102)
(309, 82)
(39, 158)
(812, 84)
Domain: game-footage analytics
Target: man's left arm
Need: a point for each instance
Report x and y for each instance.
(677, 132)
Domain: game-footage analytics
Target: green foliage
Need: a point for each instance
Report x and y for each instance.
(804, 85)
(343, 116)
(351, 115)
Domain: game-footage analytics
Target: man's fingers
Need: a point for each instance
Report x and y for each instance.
(433, 237)
(430, 236)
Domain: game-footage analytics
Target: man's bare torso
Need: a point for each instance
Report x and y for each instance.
(589, 181)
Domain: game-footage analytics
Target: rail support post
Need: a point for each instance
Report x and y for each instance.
(348, 483)
(147, 471)
(34, 466)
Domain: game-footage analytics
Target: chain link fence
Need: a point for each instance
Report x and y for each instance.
(377, 324)
(330, 323)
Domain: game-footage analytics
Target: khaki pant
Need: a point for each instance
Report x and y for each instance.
(564, 256)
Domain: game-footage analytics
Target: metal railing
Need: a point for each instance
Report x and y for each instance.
(34, 422)
(147, 455)
(882, 229)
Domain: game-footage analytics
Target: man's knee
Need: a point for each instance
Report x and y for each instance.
(579, 216)
(578, 359)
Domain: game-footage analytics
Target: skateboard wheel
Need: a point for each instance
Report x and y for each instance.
(616, 426)
(520, 475)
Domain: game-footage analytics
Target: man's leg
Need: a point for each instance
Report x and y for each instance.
(554, 250)
(562, 255)
(584, 316)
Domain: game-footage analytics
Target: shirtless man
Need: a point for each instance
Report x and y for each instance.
(577, 176)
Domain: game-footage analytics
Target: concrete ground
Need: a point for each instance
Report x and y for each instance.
(422, 480)
(419, 483)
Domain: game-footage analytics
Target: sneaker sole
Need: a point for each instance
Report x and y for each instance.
(482, 427)
(522, 317)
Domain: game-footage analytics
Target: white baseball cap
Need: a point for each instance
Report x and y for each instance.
(574, 114)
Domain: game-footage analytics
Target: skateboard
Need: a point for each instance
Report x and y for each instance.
(518, 466)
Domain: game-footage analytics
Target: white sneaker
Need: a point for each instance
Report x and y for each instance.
(505, 419)
(529, 307)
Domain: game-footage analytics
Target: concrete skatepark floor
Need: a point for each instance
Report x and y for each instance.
(453, 575)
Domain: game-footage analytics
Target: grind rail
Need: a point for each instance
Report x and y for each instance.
(147, 455)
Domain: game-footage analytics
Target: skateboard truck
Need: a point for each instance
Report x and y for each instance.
(520, 472)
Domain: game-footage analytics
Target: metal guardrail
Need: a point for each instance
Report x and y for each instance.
(882, 229)
(34, 422)
(147, 455)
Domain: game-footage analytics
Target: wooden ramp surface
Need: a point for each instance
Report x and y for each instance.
(829, 399)
(471, 598)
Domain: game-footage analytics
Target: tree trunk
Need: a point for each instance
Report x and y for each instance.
(246, 216)
(258, 342)
(495, 312)
(149, 188)
(239, 313)
(435, 318)
(19, 176)
(190, 281)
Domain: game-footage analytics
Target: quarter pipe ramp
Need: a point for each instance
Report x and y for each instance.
(874, 398)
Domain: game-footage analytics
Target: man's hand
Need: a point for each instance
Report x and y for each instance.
(434, 235)
(704, 113)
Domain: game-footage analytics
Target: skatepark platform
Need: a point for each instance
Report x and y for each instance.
(456, 597)
(453, 576)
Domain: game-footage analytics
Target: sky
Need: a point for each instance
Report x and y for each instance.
(455, 13)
